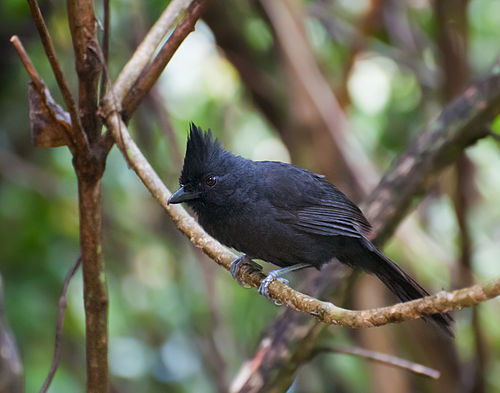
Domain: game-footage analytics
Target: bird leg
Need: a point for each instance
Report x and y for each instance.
(276, 274)
(236, 266)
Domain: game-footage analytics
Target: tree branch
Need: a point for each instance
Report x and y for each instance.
(28, 65)
(460, 124)
(295, 330)
(82, 24)
(89, 167)
(144, 53)
(464, 121)
(94, 282)
(153, 71)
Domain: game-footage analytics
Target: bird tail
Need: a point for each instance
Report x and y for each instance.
(402, 285)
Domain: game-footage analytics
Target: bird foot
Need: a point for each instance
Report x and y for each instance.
(264, 285)
(276, 274)
(238, 263)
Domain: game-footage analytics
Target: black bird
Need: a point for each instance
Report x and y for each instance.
(282, 214)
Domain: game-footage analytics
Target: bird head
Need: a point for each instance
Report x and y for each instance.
(208, 175)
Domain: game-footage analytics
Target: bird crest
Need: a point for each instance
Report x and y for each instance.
(203, 154)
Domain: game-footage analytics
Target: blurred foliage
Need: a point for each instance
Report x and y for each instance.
(170, 307)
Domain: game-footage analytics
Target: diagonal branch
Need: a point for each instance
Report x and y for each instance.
(462, 123)
(153, 71)
(383, 358)
(139, 75)
(144, 52)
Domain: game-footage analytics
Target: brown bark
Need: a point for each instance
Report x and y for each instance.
(95, 294)
(88, 61)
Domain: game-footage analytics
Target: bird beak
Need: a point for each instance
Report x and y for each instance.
(181, 195)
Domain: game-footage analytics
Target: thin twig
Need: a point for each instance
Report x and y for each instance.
(379, 357)
(105, 50)
(78, 136)
(59, 325)
(28, 65)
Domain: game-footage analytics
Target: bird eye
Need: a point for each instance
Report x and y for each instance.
(210, 181)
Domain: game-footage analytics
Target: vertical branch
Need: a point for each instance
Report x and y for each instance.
(94, 283)
(82, 24)
(89, 155)
(89, 167)
(88, 161)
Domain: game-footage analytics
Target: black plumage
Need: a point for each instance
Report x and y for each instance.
(282, 214)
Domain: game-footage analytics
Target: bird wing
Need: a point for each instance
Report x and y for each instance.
(311, 204)
(331, 218)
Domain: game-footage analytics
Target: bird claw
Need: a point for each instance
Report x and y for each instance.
(236, 265)
(264, 287)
